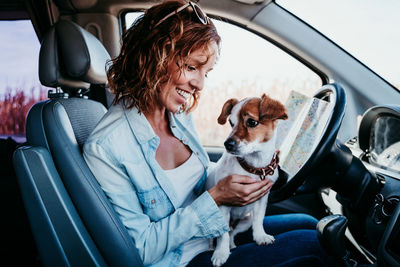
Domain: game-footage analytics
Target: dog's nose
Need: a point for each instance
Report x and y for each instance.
(230, 144)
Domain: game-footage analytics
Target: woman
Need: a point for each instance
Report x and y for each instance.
(146, 155)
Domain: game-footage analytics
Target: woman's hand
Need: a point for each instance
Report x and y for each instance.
(239, 190)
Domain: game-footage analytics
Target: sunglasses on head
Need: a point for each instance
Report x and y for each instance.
(197, 10)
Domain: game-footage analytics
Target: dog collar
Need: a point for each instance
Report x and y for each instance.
(262, 172)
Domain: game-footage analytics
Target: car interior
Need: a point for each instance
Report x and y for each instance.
(55, 212)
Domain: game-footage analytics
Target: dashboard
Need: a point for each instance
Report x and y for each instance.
(378, 148)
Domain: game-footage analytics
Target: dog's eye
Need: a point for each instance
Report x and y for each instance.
(231, 123)
(251, 123)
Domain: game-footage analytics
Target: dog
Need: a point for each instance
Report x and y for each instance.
(249, 150)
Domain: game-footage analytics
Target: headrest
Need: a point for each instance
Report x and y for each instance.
(71, 58)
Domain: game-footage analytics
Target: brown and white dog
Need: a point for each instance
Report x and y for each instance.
(251, 151)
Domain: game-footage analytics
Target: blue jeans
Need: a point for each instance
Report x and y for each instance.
(296, 244)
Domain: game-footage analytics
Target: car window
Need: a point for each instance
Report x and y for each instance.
(248, 66)
(19, 82)
(367, 29)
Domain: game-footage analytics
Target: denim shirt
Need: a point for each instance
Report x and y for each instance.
(121, 154)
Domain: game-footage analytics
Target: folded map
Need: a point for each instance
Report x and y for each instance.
(300, 134)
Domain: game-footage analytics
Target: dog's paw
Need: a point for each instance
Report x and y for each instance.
(231, 242)
(219, 257)
(211, 244)
(232, 245)
(264, 239)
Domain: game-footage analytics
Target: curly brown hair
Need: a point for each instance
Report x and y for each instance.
(137, 74)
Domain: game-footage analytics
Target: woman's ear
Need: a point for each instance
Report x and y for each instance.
(226, 110)
(271, 109)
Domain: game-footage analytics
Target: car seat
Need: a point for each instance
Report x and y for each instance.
(71, 218)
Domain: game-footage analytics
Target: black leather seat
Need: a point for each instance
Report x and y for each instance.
(71, 218)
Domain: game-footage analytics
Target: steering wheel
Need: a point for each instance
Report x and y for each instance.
(336, 95)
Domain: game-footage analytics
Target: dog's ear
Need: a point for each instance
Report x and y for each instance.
(226, 110)
(271, 109)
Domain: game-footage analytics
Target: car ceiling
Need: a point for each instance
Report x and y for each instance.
(13, 9)
(19, 9)
(114, 6)
(104, 14)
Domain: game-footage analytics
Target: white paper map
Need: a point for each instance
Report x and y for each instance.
(300, 133)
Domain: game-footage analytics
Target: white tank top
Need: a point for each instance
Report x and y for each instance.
(184, 178)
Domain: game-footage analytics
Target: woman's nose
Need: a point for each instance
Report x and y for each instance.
(198, 81)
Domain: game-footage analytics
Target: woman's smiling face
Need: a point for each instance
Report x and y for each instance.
(185, 81)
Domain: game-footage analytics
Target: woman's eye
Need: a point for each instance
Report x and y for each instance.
(190, 68)
(251, 123)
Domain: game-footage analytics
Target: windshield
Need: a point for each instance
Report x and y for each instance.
(385, 143)
(367, 29)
